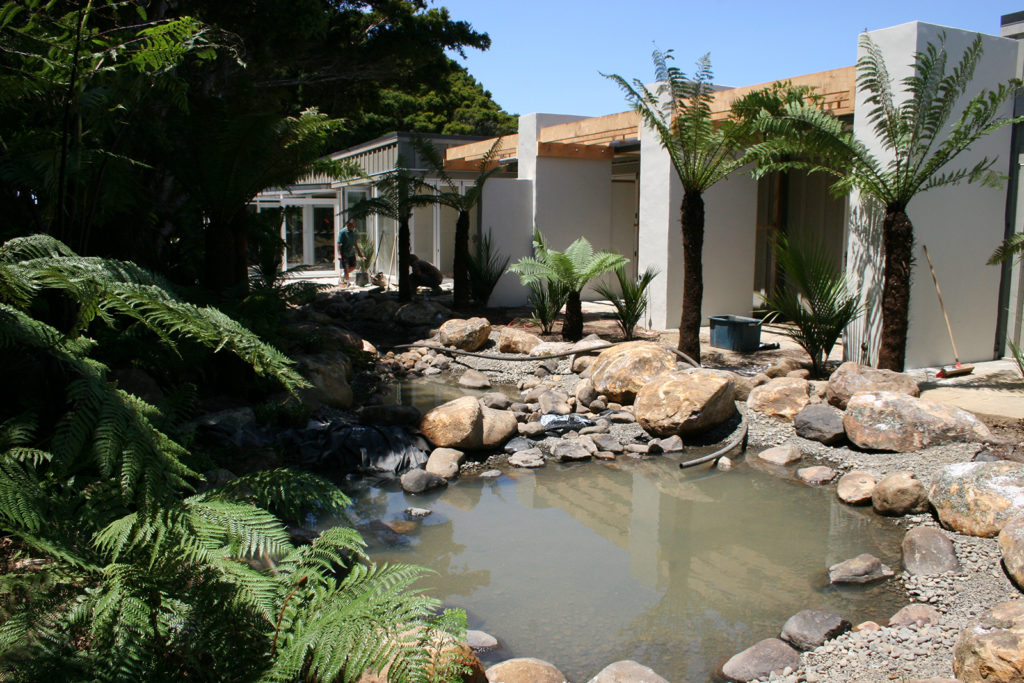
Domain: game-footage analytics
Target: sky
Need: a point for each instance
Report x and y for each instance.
(548, 55)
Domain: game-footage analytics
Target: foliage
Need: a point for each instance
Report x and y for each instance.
(702, 151)
(919, 144)
(547, 298)
(485, 268)
(570, 271)
(630, 301)
(814, 297)
(120, 571)
(368, 251)
(1018, 357)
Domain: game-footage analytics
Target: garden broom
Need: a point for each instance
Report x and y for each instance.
(958, 368)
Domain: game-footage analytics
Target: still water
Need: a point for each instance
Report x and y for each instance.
(586, 564)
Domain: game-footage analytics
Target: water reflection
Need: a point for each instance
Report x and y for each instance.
(586, 564)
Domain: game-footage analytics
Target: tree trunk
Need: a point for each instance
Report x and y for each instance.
(897, 245)
(225, 263)
(404, 285)
(572, 328)
(460, 291)
(692, 220)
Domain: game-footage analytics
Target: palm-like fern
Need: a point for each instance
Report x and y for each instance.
(702, 151)
(121, 574)
(920, 143)
(571, 270)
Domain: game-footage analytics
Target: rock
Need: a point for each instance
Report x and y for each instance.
(389, 415)
(810, 628)
(496, 400)
(991, 648)
(606, 442)
(820, 422)
(498, 427)
(758, 661)
(782, 397)
(627, 671)
(468, 335)
(329, 374)
(898, 494)
(529, 458)
(671, 444)
(783, 367)
(855, 488)
(550, 348)
(585, 393)
(554, 402)
(684, 403)
(817, 475)
(490, 474)
(564, 423)
(418, 481)
(786, 454)
(978, 498)
(445, 462)
(417, 513)
(866, 627)
(852, 378)
(422, 313)
(742, 386)
(525, 670)
(916, 614)
(928, 551)
(622, 371)
(861, 569)
(512, 340)
(802, 373)
(474, 379)
(581, 364)
(517, 444)
(456, 424)
(480, 640)
(569, 451)
(724, 464)
(1011, 545)
(532, 430)
(888, 421)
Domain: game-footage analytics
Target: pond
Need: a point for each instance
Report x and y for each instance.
(425, 393)
(586, 564)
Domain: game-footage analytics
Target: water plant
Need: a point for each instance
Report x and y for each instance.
(814, 297)
(485, 268)
(630, 300)
(570, 270)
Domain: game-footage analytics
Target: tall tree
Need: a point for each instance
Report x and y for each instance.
(398, 192)
(702, 151)
(463, 203)
(919, 143)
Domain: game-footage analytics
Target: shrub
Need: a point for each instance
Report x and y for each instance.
(485, 269)
(630, 301)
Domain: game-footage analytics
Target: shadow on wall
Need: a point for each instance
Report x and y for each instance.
(864, 269)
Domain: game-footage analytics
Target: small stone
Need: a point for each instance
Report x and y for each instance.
(445, 462)
(928, 551)
(418, 481)
(672, 444)
(917, 614)
(606, 442)
(627, 671)
(758, 661)
(530, 458)
(569, 451)
(532, 430)
(809, 628)
(855, 488)
(496, 400)
(724, 464)
(490, 474)
(417, 513)
(474, 379)
(861, 569)
(898, 494)
(641, 448)
(785, 454)
(867, 627)
(816, 475)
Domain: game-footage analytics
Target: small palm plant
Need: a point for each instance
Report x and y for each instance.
(814, 298)
(547, 298)
(570, 270)
(630, 301)
(485, 268)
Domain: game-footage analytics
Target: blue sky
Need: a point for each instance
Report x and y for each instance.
(546, 54)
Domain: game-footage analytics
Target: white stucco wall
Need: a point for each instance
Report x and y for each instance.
(507, 206)
(961, 225)
(659, 237)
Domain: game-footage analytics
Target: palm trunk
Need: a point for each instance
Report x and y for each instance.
(898, 245)
(404, 249)
(572, 329)
(692, 219)
(460, 291)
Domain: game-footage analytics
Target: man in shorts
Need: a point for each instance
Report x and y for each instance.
(348, 247)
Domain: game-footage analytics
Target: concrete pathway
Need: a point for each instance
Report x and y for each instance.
(994, 388)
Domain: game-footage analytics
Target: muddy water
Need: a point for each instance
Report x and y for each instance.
(587, 564)
(426, 393)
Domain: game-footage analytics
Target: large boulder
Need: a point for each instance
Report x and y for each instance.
(978, 498)
(512, 340)
(525, 670)
(684, 403)
(991, 648)
(498, 427)
(782, 397)
(928, 551)
(329, 374)
(1011, 545)
(810, 628)
(760, 660)
(627, 671)
(820, 422)
(469, 334)
(852, 378)
(888, 421)
(898, 494)
(622, 371)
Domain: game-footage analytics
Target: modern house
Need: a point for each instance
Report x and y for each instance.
(609, 179)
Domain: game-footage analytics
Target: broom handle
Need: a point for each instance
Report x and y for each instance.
(938, 291)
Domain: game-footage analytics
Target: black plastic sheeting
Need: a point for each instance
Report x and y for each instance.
(357, 448)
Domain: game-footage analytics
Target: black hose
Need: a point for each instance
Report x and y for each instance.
(740, 438)
(519, 358)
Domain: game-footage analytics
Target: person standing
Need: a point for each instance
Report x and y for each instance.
(348, 247)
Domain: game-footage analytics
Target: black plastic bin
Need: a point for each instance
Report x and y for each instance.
(736, 333)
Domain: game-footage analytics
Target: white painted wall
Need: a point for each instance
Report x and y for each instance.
(507, 207)
(659, 232)
(961, 225)
(730, 239)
